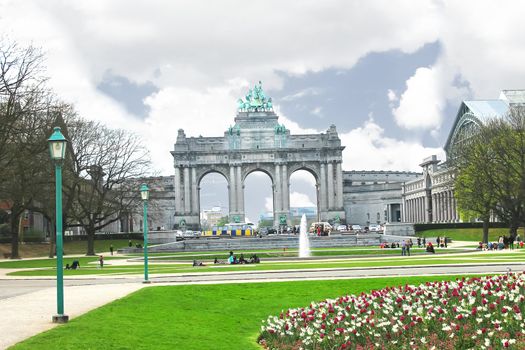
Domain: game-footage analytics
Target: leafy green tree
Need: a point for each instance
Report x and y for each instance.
(223, 221)
(490, 171)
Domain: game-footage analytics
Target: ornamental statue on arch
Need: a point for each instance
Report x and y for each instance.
(255, 100)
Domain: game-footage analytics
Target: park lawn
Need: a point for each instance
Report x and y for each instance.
(223, 316)
(34, 250)
(39, 263)
(205, 256)
(420, 260)
(468, 234)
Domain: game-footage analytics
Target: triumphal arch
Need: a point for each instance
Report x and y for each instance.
(257, 142)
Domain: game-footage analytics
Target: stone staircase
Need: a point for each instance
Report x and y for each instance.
(269, 242)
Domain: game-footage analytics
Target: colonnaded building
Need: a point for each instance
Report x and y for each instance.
(257, 142)
(430, 198)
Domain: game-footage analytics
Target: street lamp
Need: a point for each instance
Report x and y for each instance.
(144, 193)
(57, 150)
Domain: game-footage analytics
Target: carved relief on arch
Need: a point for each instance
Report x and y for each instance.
(268, 169)
(219, 169)
(311, 167)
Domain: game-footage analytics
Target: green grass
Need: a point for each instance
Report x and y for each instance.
(40, 263)
(294, 253)
(80, 247)
(467, 234)
(159, 268)
(199, 317)
(34, 250)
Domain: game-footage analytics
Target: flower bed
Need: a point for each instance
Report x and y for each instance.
(474, 313)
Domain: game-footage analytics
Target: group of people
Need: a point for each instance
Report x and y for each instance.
(387, 245)
(406, 245)
(504, 242)
(232, 259)
(76, 264)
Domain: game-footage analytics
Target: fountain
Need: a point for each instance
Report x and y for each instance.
(304, 243)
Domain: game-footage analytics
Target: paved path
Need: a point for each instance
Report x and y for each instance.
(29, 303)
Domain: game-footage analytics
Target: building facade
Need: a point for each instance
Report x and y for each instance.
(430, 198)
(257, 142)
(374, 197)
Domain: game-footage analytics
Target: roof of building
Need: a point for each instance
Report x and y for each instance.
(484, 110)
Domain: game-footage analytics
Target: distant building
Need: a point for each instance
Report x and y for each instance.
(430, 198)
(211, 217)
(374, 197)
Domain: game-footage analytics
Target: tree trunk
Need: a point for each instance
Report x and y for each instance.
(91, 240)
(486, 231)
(52, 243)
(513, 230)
(14, 234)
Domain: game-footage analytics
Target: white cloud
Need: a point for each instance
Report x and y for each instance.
(421, 104)
(368, 148)
(300, 200)
(391, 95)
(206, 54)
(268, 204)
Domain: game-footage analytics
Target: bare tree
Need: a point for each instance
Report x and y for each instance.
(22, 125)
(21, 80)
(104, 161)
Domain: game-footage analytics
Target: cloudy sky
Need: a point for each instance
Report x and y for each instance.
(390, 74)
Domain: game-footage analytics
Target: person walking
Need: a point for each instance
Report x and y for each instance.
(403, 248)
(407, 248)
(101, 261)
(111, 249)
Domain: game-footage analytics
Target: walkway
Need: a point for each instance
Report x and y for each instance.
(29, 303)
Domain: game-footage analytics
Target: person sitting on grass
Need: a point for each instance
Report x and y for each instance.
(254, 259)
(75, 265)
(232, 259)
(198, 263)
(68, 267)
(430, 248)
(242, 260)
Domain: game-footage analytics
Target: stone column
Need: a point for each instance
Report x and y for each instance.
(194, 192)
(447, 206)
(231, 191)
(441, 216)
(454, 208)
(420, 209)
(285, 190)
(277, 198)
(410, 211)
(330, 179)
(240, 192)
(339, 187)
(187, 194)
(450, 209)
(434, 208)
(322, 189)
(178, 191)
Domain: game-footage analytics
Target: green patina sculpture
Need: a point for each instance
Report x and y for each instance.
(255, 100)
(282, 219)
(234, 130)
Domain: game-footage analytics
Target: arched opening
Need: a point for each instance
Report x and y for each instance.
(213, 199)
(258, 199)
(303, 197)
